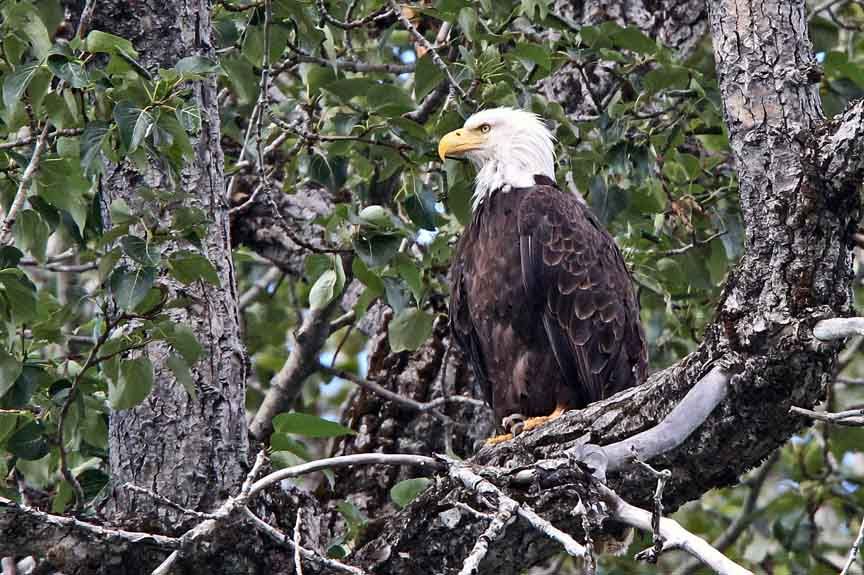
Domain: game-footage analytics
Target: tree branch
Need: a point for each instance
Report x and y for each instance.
(674, 536)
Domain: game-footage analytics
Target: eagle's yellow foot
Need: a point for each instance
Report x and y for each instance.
(495, 440)
(535, 422)
(512, 425)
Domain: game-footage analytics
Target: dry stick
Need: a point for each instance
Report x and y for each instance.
(92, 359)
(298, 566)
(249, 296)
(86, 16)
(675, 536)
(70, 523)
(653, 554)
(850, 418)
(748, 513)
(500, 521)
(309, 555)
(853, 552)
(352, 66)
(209, 525)
(422, 407)
(344, 461)
(486, 489)
(380, 14)
(301, 363)
(21, 193)
(436, 58)
(26, 141)
(165, 501)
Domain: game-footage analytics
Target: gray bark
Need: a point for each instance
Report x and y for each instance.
(192, 451)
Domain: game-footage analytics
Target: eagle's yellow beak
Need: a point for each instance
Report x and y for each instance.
(460, 141)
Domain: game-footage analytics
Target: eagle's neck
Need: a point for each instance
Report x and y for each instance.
(514, 165)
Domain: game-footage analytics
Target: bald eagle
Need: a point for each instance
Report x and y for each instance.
(541, 301)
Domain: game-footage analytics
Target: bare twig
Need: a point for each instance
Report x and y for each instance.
(850, 418)
(298, 566)
(746, 516)
(23, 185)
(494, 531)
(853, 552)
(436, 58)
(343, 461)
(92, 359)
(331, 564)
(86, 16)
(423, 407)
(27, 140)
(66, 526)
(166, 502)
(693, 244)
(354, 66)
(301, 363)
(674, 536)
(249, 296)
(486, 490)
(662, 477)
(380, 14)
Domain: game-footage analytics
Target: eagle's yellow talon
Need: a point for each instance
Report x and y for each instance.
(499, 439)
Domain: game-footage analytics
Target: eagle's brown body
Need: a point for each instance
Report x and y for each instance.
(543, 305)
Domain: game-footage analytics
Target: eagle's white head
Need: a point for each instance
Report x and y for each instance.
(508, 147)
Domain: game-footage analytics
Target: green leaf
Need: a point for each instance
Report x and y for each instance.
(143, 124)
(533, 53)
(31, 233)
(109, 43)
(183, 375)
(407, 490)
(184, 341)
(134, 384)
(468, 22)
(130, 287)
(71, 71)
(10, 369)
(426, 76)
(323, 290)
(377, 250)
(28, 442)
(308, 425)
(140, 250)
(634, 39)
(409, 329)
(20, 293)
(9, 257)
(16, 83)
(62, 184)
(126, 116)
(197, 65)
(188, 267)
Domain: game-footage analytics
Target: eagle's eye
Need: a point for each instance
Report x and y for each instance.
(485, 128)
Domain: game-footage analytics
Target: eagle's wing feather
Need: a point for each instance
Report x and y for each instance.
(590, 315)
(462, 326)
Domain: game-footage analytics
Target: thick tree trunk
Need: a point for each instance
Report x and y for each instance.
(192, 451)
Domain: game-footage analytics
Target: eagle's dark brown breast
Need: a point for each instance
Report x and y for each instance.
(543, 305)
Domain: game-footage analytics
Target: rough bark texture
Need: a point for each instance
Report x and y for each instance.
(192, 451)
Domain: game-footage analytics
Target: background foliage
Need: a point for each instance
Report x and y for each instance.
(355, 105)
